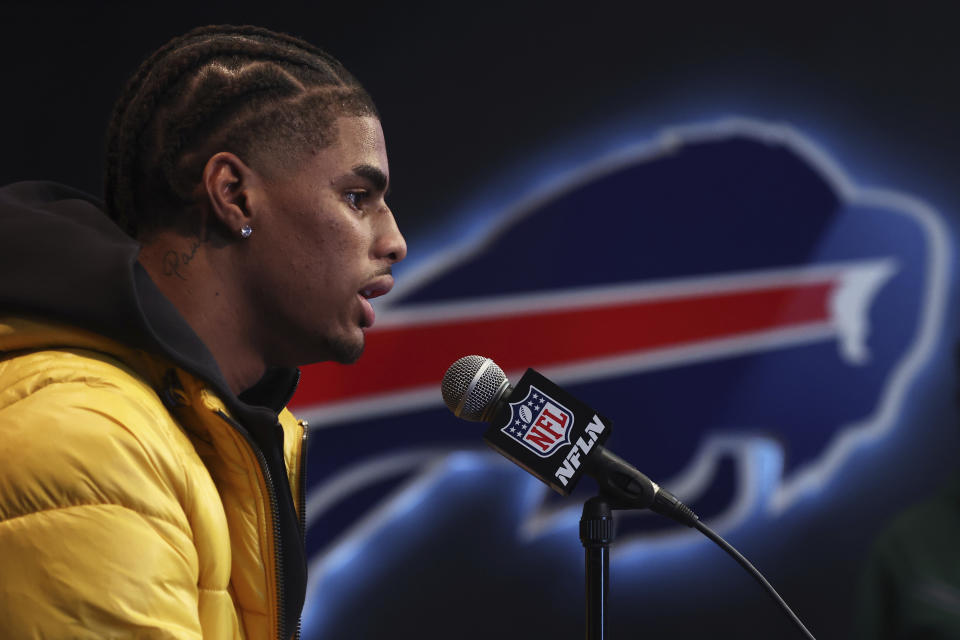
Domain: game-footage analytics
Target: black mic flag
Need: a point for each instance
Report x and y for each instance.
(534, 425)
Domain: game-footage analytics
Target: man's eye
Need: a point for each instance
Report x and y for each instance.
(355, 198)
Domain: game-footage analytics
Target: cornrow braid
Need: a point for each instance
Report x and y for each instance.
(262, 95)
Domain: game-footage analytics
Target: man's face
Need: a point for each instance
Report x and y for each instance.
(325, 242)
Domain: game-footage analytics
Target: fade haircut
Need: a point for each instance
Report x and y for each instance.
(266, 97)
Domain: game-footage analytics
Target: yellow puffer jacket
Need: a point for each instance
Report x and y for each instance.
(119, 518)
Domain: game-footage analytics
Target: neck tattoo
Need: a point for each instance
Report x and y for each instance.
(174, 261)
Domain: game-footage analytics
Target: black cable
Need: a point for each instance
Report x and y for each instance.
(726, 546)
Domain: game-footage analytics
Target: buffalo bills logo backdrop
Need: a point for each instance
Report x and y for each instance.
(745, 314)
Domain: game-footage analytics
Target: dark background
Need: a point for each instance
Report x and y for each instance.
(470, 92)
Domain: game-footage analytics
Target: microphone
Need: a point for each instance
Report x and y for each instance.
(551, 434)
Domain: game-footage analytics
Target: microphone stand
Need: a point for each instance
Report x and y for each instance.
(621, 487)
(596, 534)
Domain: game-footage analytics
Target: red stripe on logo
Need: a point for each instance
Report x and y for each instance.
(408, 357)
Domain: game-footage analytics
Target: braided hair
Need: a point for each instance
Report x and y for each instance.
(262, 95)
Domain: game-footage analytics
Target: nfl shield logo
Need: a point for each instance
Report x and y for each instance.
(539, 423)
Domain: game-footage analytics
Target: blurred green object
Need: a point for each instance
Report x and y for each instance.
(910, 587)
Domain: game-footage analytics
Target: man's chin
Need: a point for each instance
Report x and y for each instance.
(347, 351)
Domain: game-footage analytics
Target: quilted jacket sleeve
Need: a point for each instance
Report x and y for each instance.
(94, 540)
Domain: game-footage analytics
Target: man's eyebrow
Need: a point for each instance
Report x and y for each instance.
(373, 174)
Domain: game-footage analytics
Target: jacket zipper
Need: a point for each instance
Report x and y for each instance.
(302, 495)
(302, 480)
(275, 517)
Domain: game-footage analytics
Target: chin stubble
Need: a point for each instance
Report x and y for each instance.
(346, 352)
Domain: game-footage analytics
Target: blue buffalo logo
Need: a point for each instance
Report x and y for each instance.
(539, 423)
(727, 296)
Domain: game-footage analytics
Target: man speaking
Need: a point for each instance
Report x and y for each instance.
(151, 482)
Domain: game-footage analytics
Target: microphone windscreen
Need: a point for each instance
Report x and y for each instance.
(471, 385)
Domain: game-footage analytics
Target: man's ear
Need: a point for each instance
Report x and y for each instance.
(228, 183)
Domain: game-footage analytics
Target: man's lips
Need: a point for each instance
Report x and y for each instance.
(374, 289)
(377, 287)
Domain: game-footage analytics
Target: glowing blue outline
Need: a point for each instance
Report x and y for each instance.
(762, 468)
